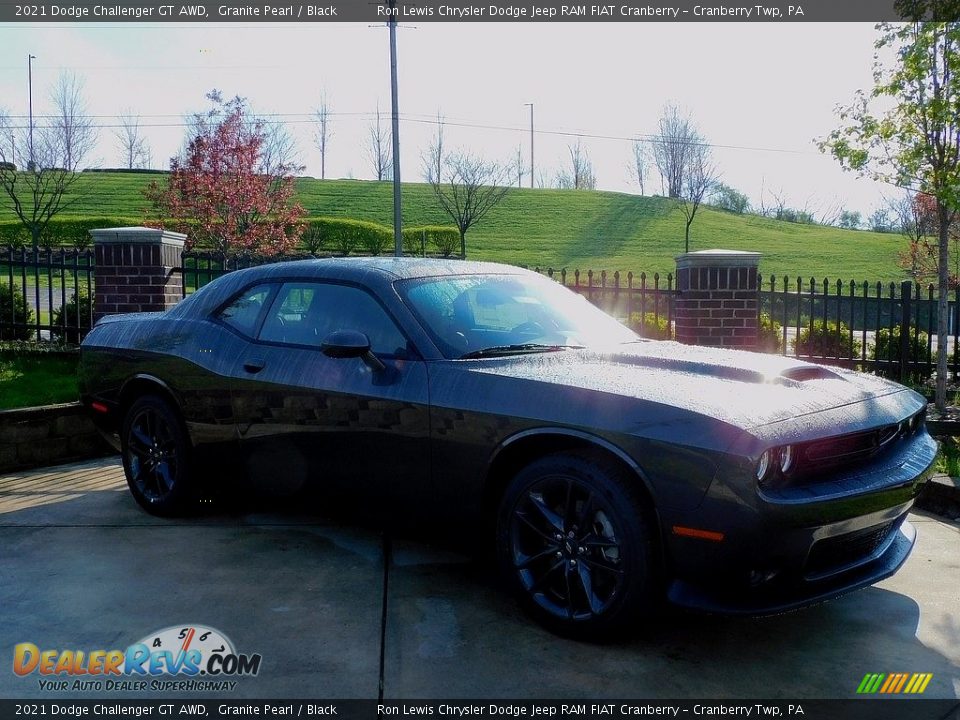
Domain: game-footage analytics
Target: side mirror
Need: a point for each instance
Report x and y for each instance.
(350, 344)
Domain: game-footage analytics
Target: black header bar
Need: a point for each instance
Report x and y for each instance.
(324, 11)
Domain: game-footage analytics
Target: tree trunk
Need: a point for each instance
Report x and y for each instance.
(463, 244)
(686, 240)
(943, 290)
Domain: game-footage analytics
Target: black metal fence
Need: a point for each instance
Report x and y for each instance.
(45, 294)
(889, 328)
(884, 327)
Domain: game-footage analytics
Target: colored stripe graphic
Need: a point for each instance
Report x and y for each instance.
(894, 683)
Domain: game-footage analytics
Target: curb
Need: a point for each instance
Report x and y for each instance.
(941, 496)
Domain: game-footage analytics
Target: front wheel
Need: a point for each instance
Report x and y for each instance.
(575, 543)
(156, 457)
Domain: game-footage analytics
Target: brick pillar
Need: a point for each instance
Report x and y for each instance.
(718, 298)
(134, 270)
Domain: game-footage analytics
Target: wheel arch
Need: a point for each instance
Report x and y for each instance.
(145, 384)
(526, 446)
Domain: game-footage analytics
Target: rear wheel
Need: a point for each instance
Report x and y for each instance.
(575, 543)
(156, 457)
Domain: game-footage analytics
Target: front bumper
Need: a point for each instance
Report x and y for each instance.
(798, 546)
(774, 597)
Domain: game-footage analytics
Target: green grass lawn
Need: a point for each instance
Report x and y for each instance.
(565, 228)
(29, 379)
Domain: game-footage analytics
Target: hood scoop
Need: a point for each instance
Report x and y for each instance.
(764, 371)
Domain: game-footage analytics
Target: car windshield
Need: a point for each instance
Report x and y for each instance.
(485, 315)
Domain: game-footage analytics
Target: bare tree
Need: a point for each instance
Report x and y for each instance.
(322, 132)
(75, 133)
(379, 152)
(699, 177)
(520, 167)
(469, 188)
(578, 175)
(435, 157)
(133, 145)
(38, 194)
(675, 149)
(641, 164)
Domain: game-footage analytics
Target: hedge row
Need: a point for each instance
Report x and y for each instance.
(343, 236)
(71, 231)
(340, 236)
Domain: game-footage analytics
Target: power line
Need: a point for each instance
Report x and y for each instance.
(418, 118)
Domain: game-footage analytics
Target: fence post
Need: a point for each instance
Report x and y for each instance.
(718, 295)
(906, 290)
(137, 269)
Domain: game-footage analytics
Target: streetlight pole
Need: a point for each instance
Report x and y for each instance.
(30, 58)
(531, 143)
(397, 221)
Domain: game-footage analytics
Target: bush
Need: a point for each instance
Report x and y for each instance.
(69, 231)
(727, 198)
(8, 166)
(417, 240)
(14, 309)
(345, 236)
(67, 318)
(649, 325)
(769, 335)
(826, 340)
(886, 348)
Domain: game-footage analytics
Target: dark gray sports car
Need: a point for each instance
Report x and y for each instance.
(608, 471)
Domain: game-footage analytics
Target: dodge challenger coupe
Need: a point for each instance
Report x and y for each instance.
(609, 472)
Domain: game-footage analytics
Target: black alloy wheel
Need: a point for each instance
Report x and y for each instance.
(156, 456)
(575, 545)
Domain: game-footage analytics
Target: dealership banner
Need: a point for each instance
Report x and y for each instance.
(322, 11)
(917, 709)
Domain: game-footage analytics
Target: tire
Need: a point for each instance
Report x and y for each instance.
(575, 543)
(156, 457)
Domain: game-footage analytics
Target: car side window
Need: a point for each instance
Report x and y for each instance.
(243, 312)
(305, 313)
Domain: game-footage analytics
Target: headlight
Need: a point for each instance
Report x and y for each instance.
(786, 459)
(763, 465)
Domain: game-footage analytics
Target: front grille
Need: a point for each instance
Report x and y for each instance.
(844, 449)
(843, 551)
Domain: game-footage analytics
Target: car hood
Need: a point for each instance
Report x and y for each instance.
(745, 389)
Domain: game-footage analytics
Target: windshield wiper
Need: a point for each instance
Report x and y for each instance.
(516, 349)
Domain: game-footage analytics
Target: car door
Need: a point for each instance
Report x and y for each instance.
(304, 417)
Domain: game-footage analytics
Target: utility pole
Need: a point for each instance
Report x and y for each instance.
(397, 221)
(31, 165)
(531, 143)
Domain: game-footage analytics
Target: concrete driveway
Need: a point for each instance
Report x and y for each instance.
(81, 567)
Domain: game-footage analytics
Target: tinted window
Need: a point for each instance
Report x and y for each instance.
(305, 313)
(244, 311)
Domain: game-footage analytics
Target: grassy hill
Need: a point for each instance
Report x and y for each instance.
(573, 229)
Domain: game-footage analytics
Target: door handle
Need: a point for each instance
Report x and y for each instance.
(254, 365)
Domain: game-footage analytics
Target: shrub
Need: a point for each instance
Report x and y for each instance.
(651, 326)
(313, 240)
(417, 240)
(14, 309)
(769, 335)
(345, 236)
(8, 166)
(71, 322)
(827, 340)
(71, 231)
(886, 347)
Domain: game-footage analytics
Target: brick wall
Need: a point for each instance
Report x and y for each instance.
(36, 437)
(718, 298)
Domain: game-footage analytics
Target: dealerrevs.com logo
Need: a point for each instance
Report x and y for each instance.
(177, 658)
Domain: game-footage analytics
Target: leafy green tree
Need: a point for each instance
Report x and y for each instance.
(907, 130)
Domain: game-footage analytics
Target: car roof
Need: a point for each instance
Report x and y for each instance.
(375, 272)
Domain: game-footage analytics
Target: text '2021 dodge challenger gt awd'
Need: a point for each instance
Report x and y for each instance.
(608, 471)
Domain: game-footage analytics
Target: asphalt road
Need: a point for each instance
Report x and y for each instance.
(82, 568)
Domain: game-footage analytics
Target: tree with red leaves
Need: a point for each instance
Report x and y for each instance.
(226, 192)
(918, 221)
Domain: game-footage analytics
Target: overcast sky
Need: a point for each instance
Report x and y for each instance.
(761, 92)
